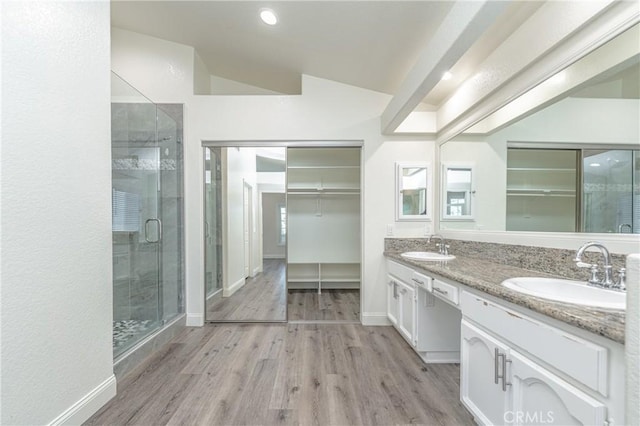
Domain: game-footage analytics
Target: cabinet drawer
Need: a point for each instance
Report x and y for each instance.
(446, 291)
(422, 281)
(580, 359)
(402, 272)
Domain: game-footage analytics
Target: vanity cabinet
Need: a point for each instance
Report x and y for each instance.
(401, 309)
(431, 327)
(517, 370)
(480, 387)
(501, 386)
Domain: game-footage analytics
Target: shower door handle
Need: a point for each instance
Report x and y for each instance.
(146, 230)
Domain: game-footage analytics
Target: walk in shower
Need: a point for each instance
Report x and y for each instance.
(147, 214)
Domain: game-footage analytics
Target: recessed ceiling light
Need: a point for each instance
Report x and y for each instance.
(594, 164)
(447, 76)
(268, 16)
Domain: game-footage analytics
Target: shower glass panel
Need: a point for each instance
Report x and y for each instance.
(146, 213)
(611, 193)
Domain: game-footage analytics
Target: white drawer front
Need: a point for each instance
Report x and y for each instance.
(422, 281)
(580, 359)
(402, 272)
(446, 291)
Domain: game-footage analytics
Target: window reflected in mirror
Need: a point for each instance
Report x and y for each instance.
(457, 191)
(413, 191)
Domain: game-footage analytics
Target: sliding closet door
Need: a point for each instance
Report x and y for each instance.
(243, 236)
(323, 251)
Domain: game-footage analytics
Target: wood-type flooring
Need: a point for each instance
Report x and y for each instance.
(287, 374)
(262, 298)
(330, 305)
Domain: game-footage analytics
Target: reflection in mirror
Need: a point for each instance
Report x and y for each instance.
(413, 189)
(611, 191)
(457, 184)
(245, 234)
(564, 156)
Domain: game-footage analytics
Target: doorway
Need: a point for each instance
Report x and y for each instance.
(288, 218)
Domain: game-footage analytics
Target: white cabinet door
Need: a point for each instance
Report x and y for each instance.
(407, 317)
(392, 301)
(478, 389)
(540, 397)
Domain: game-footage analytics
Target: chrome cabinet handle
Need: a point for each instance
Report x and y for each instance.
(440, 290)
(395, 290)
(496, 369)
(504, 372)
(496, 363)
(417, 281)
(146, 230)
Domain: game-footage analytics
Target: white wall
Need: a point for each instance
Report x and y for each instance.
(270, 226)
(325, 111)
(56, 212)
(161, 70)
(201, 77)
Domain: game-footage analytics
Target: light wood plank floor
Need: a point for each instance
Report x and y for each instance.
(262, 298)
(295, 374)
(330, 305)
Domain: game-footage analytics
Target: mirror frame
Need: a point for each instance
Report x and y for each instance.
(400, 216)
(446, 165)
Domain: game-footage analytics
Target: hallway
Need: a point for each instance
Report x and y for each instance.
(287, 374)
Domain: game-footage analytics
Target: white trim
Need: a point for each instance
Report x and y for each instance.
(227, 292)
(257, 270)
(375, 319)
(195, 320)
(88, 405)
(616, 243)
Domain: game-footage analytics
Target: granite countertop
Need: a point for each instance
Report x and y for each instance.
(486, 276)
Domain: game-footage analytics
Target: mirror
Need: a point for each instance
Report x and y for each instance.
(564, 157)
(413, 189)
(245, 233)
(457, 191)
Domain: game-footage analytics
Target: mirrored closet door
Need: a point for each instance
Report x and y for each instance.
(245, 234)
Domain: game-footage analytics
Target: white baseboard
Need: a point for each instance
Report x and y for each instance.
(195, 320)
(273, 256)
(227, 292)
(295, 285)
(88, 405)
(257, 270)
(375, 318)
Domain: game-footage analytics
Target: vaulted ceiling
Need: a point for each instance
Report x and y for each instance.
(368, 44)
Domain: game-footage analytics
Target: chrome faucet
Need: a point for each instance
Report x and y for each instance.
(607, 280)
(443, 247)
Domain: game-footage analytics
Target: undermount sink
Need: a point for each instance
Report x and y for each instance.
(568, 291)
(427, 256)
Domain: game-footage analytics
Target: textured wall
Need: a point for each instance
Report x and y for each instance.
(56, 210)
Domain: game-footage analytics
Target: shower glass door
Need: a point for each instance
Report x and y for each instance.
(137, 223)
(611, 191)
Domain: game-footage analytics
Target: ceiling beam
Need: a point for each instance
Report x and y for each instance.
(463, 25)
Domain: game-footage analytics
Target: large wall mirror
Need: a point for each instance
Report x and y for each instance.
(564, 157)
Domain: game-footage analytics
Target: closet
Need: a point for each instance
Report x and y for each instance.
(323, 208)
